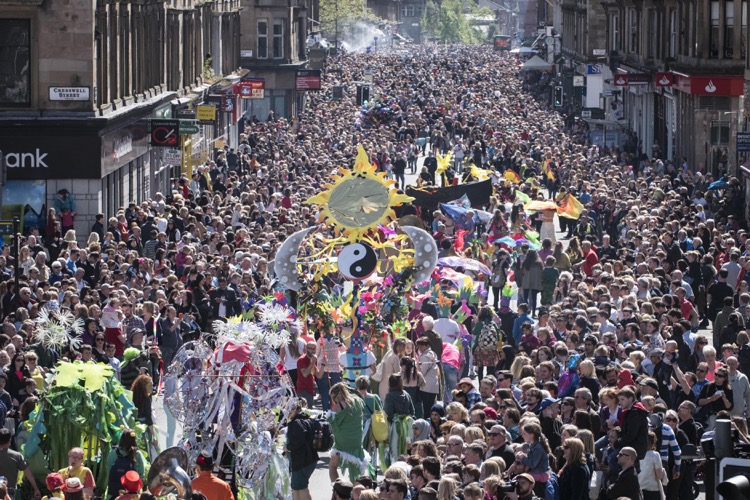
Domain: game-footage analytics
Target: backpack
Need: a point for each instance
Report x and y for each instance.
(321, 435)
(488, 337)
(551, 488)
(122, 465)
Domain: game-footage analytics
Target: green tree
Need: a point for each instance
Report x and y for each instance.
(344, 13)
(448, 24)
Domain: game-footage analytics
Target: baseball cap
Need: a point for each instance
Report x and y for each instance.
(343, 488)
(526, 477)
(54, 481)
(649, 382)
(547, 402)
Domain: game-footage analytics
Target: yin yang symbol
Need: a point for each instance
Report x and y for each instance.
(357, 261)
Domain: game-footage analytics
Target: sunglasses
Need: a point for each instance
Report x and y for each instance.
(720, 375)
(670, 419)
(701, 371)
(566, 447)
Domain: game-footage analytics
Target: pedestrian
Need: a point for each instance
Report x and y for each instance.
(206, 482)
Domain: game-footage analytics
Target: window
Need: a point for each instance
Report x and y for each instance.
(728, 29)
(418, 11)
(633, 31)
(719, 132)
(15, 61)
(407, 11)
(615, 44)
(262, 39)
(278, 39)
(652, 33)
(713, 47)
(672, 50)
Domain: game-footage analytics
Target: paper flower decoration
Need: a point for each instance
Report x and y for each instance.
(55, 329)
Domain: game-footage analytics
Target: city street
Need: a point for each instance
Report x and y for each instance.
(320, 484)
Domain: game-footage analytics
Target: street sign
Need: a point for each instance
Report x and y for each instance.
(165, 133)
(69, 94)
(188, 127)
(206, 115)
(593, 69)
(172, 157)
(743, 142)
(586, 113)
(6, 228)
(308, 79)
(578, 81)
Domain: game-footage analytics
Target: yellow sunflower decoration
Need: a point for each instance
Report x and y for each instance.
(358, 200)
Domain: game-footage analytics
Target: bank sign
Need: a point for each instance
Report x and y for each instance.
(51, 157)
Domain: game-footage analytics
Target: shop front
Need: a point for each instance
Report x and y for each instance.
(103, 169)
(707, 128)
(638, 102)
(40, 161)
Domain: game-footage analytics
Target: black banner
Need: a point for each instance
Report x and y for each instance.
(479, 194)
(42, 153)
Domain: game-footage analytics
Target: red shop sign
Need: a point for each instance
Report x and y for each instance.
(712, 85)
(620, 80)
(251, 89)
(664, 79)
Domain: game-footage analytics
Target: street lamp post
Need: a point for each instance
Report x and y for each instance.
(16, 264)
(336, 36)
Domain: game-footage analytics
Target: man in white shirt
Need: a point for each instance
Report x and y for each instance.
(448, 330)
(740, 389)
(733, 268)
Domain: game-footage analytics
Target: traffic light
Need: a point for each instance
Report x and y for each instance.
(363, 94)
(558, 96)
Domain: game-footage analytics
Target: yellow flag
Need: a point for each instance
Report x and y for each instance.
(443, 162)
(570, 207)
(512, 176)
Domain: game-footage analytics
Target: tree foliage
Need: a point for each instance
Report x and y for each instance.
(346, 12)
(446, 22)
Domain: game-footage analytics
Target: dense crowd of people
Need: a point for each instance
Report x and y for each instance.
(594, 383)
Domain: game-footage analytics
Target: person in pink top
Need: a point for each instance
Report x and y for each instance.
(451, 361)
(112, 317)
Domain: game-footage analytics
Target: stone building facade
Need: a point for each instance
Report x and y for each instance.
(662, 77)
(82, 80)
(273, 49)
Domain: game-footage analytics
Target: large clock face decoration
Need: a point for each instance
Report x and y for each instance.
(358, 200)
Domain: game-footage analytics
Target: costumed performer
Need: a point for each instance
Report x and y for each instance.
(345, 418)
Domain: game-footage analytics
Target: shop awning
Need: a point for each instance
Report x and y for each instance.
(536, 63)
